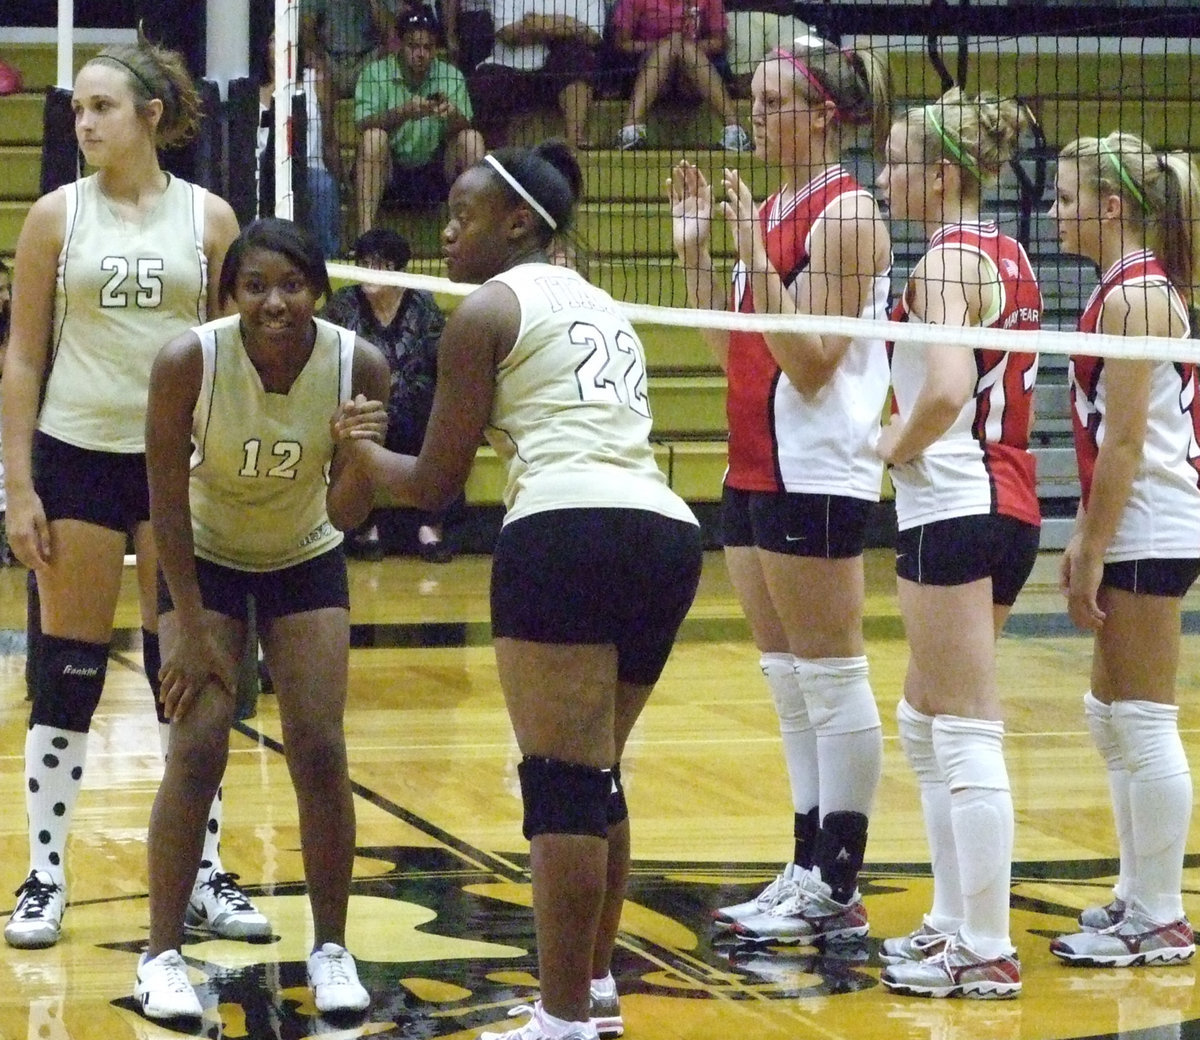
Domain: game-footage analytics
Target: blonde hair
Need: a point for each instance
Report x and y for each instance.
(858, 82)
(1161, 191)
(156, 72)
(979, 134)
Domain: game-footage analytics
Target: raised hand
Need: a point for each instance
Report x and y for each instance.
(691, 211)
(742, 214)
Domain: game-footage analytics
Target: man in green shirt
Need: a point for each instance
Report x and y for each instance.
(414, 114)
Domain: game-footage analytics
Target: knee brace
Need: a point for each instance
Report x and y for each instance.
(152, 662)
(837, 691)
(616, 810)
(71, 679)
(564, 797)
(916, 740)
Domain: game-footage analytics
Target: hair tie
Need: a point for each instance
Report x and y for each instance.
(133, 72)
(955, 148)
(521, 190)
(1128, 181)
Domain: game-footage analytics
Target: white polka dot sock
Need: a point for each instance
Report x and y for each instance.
(54, 760)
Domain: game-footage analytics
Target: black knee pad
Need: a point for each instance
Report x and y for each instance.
(70, 680)
(564, 797)
(617, 811)
(152, 662)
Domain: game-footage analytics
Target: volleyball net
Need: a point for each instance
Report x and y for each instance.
(1077, 70)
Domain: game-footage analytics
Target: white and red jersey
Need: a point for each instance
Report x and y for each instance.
(982, 463)
(1162, 514)
(780, 440)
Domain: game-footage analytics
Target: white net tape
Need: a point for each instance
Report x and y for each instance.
(1046, 341)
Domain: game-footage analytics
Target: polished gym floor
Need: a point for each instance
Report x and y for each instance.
(439, 914)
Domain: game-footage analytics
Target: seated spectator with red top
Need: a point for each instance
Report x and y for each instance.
(10, 78)
(414, 113)
(675, 39)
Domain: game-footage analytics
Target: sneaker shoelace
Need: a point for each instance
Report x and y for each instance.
(225, 888)
(926, 937)
(34, 895)
(530, 1028)
(174, 976)
(337, 967)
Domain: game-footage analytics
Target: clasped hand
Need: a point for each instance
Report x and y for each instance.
(359, 419)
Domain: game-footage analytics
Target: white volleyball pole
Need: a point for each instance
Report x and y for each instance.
(66, 44)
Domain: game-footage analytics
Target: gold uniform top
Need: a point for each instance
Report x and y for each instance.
(260, 461)
(570, 417)
(123, 290)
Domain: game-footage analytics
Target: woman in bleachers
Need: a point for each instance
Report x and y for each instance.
(803, 475)
(968, 517)
(665, 40)
(1135, 550)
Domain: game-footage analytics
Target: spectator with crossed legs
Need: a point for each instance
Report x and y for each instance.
(545, 53)
(1135, 549)
(803, 415)
(967, 510)
(136, 251)
(597, 560)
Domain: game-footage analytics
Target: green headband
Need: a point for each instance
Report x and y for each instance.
(1128, 181)
(951, 145)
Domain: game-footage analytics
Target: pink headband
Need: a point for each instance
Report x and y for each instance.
(807, 73)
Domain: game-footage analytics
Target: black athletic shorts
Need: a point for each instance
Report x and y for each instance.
(1157, 577)
(105, 488)
(312, 585)
(831, 527)
(620, 576)
(970, 548)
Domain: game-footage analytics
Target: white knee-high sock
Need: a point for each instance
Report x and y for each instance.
(971, 755)
(1098, 717)
(210, 858)
(54, 760)
(1160, 801)
(916, 738)
(842, 709)
(799, 737)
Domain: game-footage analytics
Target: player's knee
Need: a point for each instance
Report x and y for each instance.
(616, 810)
(70, 681)
(564, 797)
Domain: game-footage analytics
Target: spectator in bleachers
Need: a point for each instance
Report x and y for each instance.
(1135, 549)
(470, 34)
(406, 324)
(545, 53)
(324, 196)
(339, 38)
(675, 40)
(414, 113)
(10, 78)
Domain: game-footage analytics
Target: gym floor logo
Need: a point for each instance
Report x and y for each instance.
(448, 948)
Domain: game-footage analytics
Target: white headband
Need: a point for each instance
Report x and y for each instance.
(521, 190)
